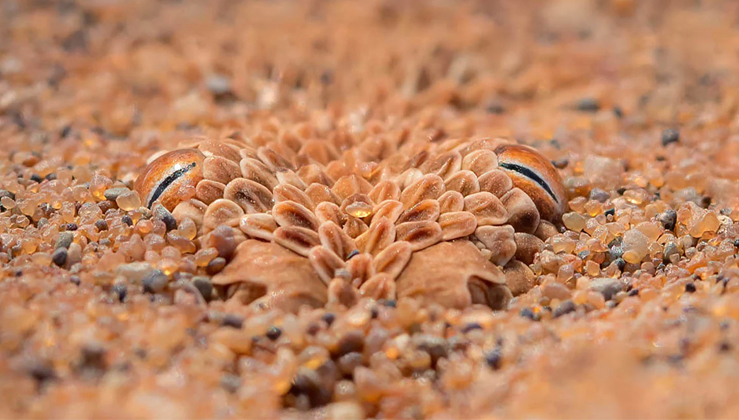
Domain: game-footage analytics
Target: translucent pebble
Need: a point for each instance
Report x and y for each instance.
(650, 229)
(561, 243)
(128, 201)
(205, 256)
(67, 211)
(574, 221)
(143, 227)
(636, 245)
(28, 206)
(98, 185)
(7, 202)
(708, 222)
(187, 229)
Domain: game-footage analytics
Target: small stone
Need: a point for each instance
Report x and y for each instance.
(59, 257)
(161, 213)
(670, 136)
(222, 239)
(273, 333)
(564, 308)
(101, 225)
(574, 221)
(528, 313)
(204, 286)
(120, 290)
(72, 227)
(493, 359)
(635, 245)
(127, 220)
(233, 321)
(606, 286)
(218, 84)
(668, 219)
(135, 272)
(230, 382)
(470, 327)
(588, 105)
(155, 282)
(128, 201)
(690, 288)
(64, 239)
(215, 265)
(599, 195)
(112, 194)
(329, 318)
(554, 290)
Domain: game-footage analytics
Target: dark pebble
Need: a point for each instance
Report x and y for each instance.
(493, 359)
(273, 333)
(588, 105)
(374, 312)
(348, 362)
(155, 282)
(620, 263)
(599, 195)
(127, 220)
(352, 341)
(313, 328)
(610, 212)
(161, 213)
(561, 163)
(230, 382)
(36, 178)
(690, 288)
(64, 240)
(59, 257)
(101, 225)
(204, 286)
(232, 320)
(668, 219)
(606, 286)
(618, 112)
(112, 193)
(120, 290)
(72, 227)
(307, 383)
(736, 243)
(92, 357)
(495, 107)
(42, 372)
(471, 326)
(725, 347)
(436, 347)
(51, 176)
(670, 136)
(527, 313)
(634, 292)
(329, 318)
(75, 280)
(564, 308)
(215, 265)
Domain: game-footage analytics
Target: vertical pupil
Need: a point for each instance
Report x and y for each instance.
(169, 180)
(528, 173)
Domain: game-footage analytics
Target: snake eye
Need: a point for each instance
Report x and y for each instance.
(537, 177)
(171, 178)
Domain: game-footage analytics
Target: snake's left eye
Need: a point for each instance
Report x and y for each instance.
(537, 177)
(171, 178)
